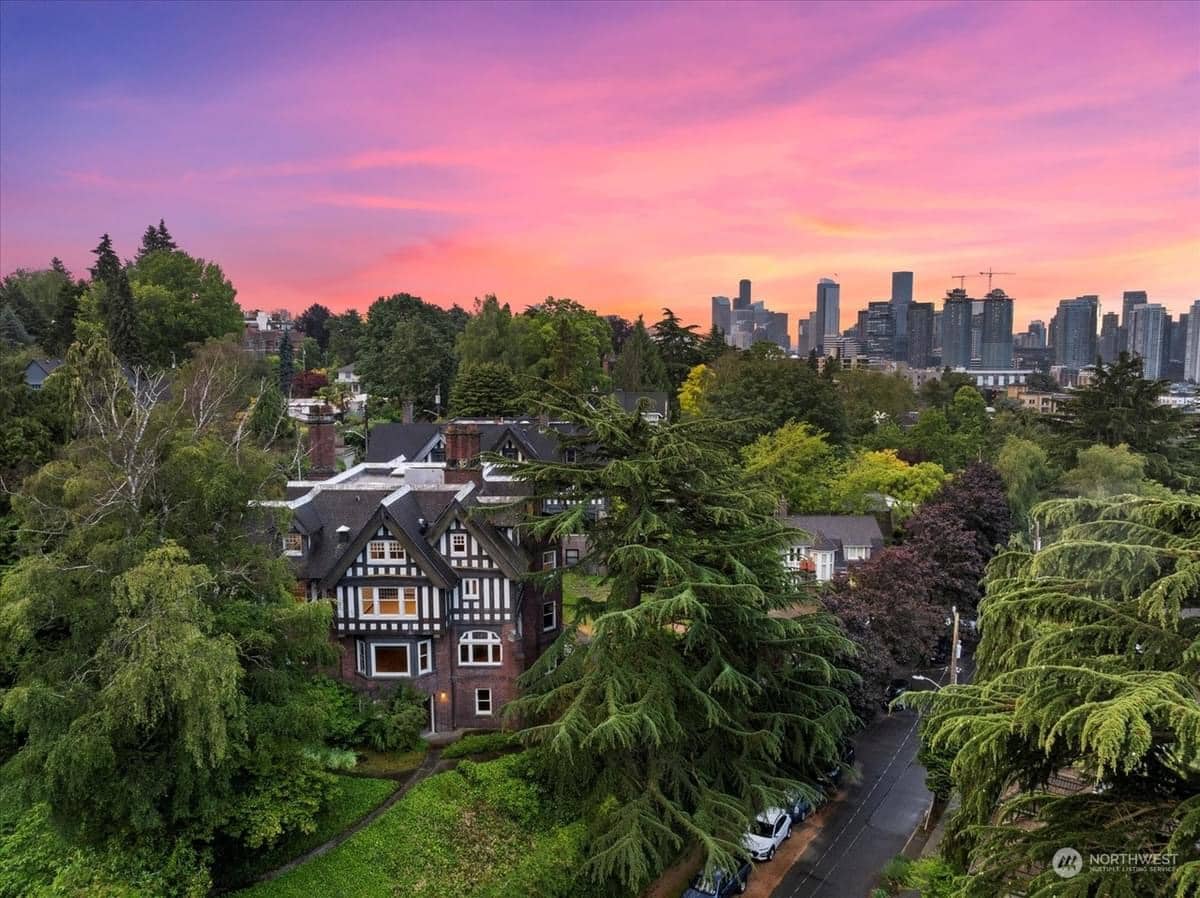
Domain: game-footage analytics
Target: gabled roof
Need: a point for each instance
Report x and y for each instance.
(466, 508)
(319, 516)
(829, 531)
(390, 441)
(47, 366)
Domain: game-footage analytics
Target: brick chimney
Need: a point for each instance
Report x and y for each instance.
(408, 412)
(322, 441)
(462, 453)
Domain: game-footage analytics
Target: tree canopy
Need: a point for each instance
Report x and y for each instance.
(639, 365)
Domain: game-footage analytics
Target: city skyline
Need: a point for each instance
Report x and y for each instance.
(455, 151)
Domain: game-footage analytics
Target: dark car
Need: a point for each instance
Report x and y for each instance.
(893, 691)
(721, 884)
(799, 807)
(833, 776)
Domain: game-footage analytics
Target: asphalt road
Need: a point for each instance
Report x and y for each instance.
(877, 811)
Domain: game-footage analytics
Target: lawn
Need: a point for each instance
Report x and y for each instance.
(357, 796)
(388, 763)
(479, 831)
(577, 586)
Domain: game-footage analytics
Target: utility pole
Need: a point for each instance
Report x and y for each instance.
(954, 648)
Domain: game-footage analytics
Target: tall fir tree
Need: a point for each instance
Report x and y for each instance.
(639, 365)
(287, 363)
(119, 309)
(692, 706)
(155, 239)
(679, 347)
(713, 346)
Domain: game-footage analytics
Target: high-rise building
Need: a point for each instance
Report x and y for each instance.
(1037, 329)
(743, 328)
(1129, 299)
(957, 312)
(859, 330)
(920, 334)
(1148, 335)
(878, 339)
(1110, 337)
(1075, 332)
(1177, 351)
(777, 330)
(902, 296)
(996, 343)
(804, 344)
(721, 316)
(1191, 359)
(828, 311)
(743, 297)
(938, 318)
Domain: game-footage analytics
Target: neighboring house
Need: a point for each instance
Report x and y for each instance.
(828, 544)
(347, 376)
(657, 406)
(262, 332)
(38, 370)
(429, 585)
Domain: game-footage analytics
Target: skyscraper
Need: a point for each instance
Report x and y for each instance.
(1110, 337)
(1129, 299)
(828, 311)
(938, 329)
(956, 329)
(902, 295)
(803, 339)
(777, 330)
(878, 339)
(743, 297)
(721, 317)
(920, 334)
(1177, 351)
(1038, 330)
(1075, 332)
(996, 343)
(1191, 361)
(1148, 335)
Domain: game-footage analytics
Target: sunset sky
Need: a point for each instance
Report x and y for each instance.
(630, 156)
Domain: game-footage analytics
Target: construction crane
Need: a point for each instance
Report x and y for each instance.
(962, 280)
(989, 273)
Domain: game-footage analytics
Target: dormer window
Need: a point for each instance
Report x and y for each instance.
(570, 456)
(380, 551)
(438, 452)
(458, 544)
(293, 544)
(509, 450)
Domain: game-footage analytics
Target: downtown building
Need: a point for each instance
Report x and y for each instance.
(1191, 361)
(920, 351)
(996, 336)
(1074, 332)
(957, 320)
(1149, 336)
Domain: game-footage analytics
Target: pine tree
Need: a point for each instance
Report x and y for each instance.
(691, 706)
(155, 239)
(107, 269)
(119, 310)
(165, 241)
(485, 389)
(679, 347)
(287, 365)
(713, 346)
(639, 366)
(1089, 664)
(12, 330)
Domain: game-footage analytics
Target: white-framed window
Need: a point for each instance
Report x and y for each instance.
(549, 615)
(382, 550)
(387, 601)
(390, 659)
(470, 588)
(458, 544)
(549, 559)
(360, 652)
(572, 557)
(293, 543)
(483, 702)
(424, 656)
(858, 553)
(824, 563)
(478, 648)
(570, 456)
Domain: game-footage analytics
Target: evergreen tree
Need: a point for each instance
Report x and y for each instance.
(679, 347)
(314, 323)
(1087, 667)
(12, 331)
(639, 365)
(118, 309)
(62, 331)
(692, 706)
(155, 239)
(485, 389)
(287, 364)
(165, 240)
(713, 346)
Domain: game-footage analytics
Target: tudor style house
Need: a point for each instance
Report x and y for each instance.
(428, 575)
(826, 545)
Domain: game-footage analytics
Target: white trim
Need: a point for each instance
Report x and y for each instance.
(489, 638)
(553, 616)
(361, 656)
(401, 591)
(454, 551)
(427, 666)
(375, 674)
(470, 594)
(488, 712)
(549, 559)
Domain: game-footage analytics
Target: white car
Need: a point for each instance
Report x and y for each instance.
(767, 833)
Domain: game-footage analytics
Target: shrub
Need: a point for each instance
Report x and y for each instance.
(479, 743)
(343, 711)
(894, 873)
(396, 724)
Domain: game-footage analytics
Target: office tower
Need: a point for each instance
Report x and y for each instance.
(1191, 359)
(938, 318)
(1148, 334)
(976, 333)
(957, 312)
(743, 328)
(859, 330)
(1110, 337)
(743, 297)
(902, 296)
(721, 316)
(1038, 330)
(804, 336)
(1177, 348)
(920, 334)
(878, 337)
(1129, 299)
(1075, 332)
(828, 311)
(777, 330)
(996, 341)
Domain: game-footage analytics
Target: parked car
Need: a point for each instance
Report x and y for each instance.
(721, 884)
(834, 775)
(895, 688)
(768, 831)
(800, 806)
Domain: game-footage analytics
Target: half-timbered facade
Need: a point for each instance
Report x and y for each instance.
(429, 579)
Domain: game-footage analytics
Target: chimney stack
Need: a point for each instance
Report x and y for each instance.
(408, 412)
(462, 453)
(322, 442)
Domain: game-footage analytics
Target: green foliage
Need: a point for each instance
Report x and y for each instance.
(39, 307)
(933, 877)
(875, 478)
(691, 705)
(480, 831)
(872, 397)
(1101, 472)
(396, 723)
(1088, 663)
(156, 239)
(345, 337)
(407, 349)
(679, 348)
(269, 421)
(798, 463)
(479, 743)
(1025, 467)
(485, 389)
(639, 366)
(287, 365)
(693, 394)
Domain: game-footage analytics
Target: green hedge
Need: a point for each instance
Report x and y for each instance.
(480, 743)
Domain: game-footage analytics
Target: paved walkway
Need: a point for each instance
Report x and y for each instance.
(428, 767)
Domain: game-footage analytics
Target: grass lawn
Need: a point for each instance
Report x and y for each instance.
(479, 830)
(388, 763)
(357, 797)
(577, 586)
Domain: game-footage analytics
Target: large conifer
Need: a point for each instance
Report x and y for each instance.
(640, 365)
(120, 313)
(691, 706)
